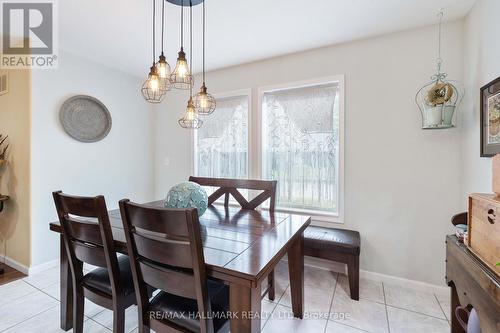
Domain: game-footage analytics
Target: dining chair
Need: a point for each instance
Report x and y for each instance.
(231, 187)
(165, 250)
(88, 238)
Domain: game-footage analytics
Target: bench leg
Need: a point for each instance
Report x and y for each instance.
(353, 275)
(271, 286)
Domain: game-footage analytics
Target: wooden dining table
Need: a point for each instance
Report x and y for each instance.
(241, 247)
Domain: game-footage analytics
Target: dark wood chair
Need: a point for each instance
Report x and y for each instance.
(166, 252)
(88, 239)
(229, 187)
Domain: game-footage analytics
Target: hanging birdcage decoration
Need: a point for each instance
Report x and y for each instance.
(438, 99)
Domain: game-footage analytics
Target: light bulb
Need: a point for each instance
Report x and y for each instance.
(163, 68)
(154, 82)
(181, 78)
(151, 89)
(190, 119)
(204, 103)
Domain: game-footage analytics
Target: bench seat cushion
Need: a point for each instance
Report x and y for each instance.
(329, 239)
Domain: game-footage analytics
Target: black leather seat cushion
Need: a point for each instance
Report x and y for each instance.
(178, 309)
(329, 239)
(99, 278)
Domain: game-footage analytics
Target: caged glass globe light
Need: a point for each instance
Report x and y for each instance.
(204, 103)
(181, 77)
(190, 119)
(151, 89)
(163, 69)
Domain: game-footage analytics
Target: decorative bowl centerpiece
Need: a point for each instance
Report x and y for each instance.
(186, 195)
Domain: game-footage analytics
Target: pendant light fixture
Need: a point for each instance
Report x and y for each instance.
(162, 65)
(181, 77)
(191, 119)
(204, 103)
(151, 89)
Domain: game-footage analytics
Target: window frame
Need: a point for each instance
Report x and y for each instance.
(316, 215)
(254, 137)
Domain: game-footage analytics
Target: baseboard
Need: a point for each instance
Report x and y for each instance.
(384, 278)
(15, 264)
(44, 266)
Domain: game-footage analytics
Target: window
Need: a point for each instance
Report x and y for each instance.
(301, 145)
(294, 136)
(222, 141)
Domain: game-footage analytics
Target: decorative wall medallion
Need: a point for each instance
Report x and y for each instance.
(85, 118)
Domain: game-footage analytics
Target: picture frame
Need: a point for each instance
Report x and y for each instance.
(490, 118)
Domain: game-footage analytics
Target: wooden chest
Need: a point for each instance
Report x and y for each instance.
(484, 229)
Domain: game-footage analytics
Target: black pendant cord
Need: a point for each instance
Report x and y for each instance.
(154, 36)
(191, 48)
(182, 25)
(204, 43)
(162, 26)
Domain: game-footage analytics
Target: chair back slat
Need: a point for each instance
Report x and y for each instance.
(84, 231)
(90, 254)
(230, 187)
(166, 252)
(87, 241)
(152, 219)
(173, 282)
(174, 253)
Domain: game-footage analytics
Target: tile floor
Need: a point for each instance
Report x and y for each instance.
(32, 305)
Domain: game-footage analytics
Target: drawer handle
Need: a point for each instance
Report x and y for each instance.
(491, 216)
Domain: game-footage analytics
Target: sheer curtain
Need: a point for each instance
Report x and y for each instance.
(222, 141)
(300, 146)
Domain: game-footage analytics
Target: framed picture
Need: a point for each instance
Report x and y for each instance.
(490, 119)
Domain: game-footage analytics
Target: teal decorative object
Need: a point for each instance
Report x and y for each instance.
(187, 194)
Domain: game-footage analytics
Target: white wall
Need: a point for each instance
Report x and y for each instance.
(481, 65)
(119, 166)
(401, 183)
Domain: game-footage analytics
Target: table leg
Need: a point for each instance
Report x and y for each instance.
(244, 303)
(296, 269)
(66, 306)
(455, 325)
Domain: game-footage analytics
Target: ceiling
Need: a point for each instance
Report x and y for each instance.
(117, 33)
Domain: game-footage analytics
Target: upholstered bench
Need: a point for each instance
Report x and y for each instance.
(338, 245)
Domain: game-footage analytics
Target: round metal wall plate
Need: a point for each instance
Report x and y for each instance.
(85, 118)
(185, 3)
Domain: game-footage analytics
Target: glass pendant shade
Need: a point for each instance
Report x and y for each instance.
(163, 69)
(181, 78)
(204, 103)
(151, 89)
(190, 119)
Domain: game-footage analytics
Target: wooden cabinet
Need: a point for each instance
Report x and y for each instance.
(484, 229)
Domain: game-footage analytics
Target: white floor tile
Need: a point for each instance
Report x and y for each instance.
(54, 290)
(444, 300)
(316, 300)
(413, 300)
(282, 321)
(319, 278)
(24, 308)
(105, 318)
(368, 289)
(43, 279)
(14, 290)
(48, 322)
(91, 309)
(267, 308)
(402, 321)
(333, 327)
(362, 314)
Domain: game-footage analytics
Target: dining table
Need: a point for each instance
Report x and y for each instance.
(241, 248)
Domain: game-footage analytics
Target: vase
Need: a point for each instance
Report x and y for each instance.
(433, 116)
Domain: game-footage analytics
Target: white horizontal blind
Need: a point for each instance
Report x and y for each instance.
(222, 141)
(300, 146)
